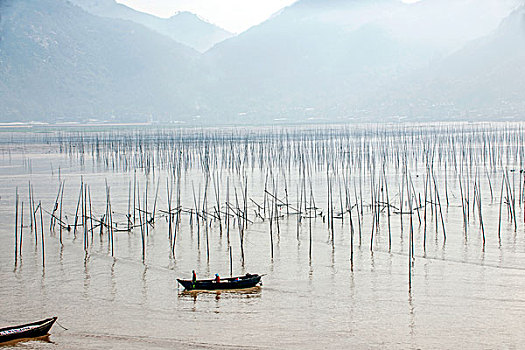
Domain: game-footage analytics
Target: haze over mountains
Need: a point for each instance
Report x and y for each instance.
(315, 60)
(184, 27)
(59, 62)
(489, 73)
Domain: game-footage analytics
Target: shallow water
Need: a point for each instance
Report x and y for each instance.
(462, 294)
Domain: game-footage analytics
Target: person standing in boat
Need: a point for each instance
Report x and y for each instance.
(193, 277)
(217, 278)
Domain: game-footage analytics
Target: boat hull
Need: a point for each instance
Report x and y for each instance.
(241, 282)
(27, 331)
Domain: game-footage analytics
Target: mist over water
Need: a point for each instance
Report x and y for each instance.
(464, 292)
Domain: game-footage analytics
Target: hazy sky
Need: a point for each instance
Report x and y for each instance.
(233, 15)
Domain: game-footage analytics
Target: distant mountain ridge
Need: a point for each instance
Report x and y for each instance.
(352, 60)
(488, 75)
(57, 61)
(320, 59)
(184, 27)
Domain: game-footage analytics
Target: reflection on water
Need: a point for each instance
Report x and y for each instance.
(254, 292)
(313, 295)
(206, 296)
(27, 343)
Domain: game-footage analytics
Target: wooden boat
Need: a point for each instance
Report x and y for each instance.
(29, 330)
(239, 282)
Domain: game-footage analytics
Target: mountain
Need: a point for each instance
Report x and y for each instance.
(59, 62)
(184, 27)
(448, 25)
(332, 59)
(306, 61)
(482, 80)
(486, 77)
(315, 60)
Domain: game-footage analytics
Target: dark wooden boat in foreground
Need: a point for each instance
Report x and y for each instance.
(240, 282)
(29, 330)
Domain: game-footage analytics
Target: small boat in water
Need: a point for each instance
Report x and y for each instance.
(240, 282)
(27, 331)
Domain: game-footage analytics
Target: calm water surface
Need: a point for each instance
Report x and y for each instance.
(462, 295)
